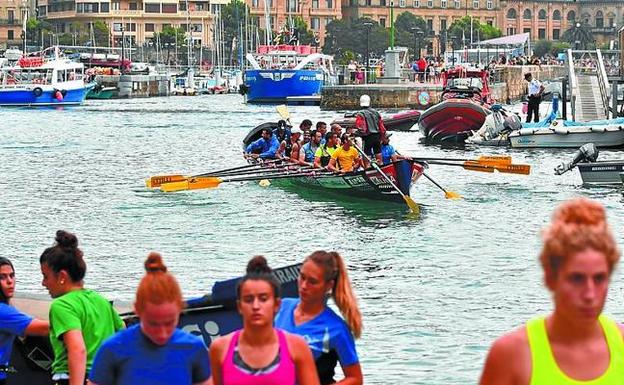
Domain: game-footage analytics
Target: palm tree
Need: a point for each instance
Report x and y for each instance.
(579, 35)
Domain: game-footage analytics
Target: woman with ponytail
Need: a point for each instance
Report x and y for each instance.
(260, 353)
(155, 351)
(575, 344)
(13, 322)
(324, 275)
(80, 319)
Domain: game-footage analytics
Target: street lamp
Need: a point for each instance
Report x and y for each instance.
(417, 38)
(368, 28)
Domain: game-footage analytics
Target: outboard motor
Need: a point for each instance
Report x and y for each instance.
(587, 153)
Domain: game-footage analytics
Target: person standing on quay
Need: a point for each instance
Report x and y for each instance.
(575, 344)
(13, 322)
(80, 319)
(535, 97)
(260, 353)
(331, 339)
(155, 351)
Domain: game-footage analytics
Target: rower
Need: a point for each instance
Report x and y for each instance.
(306, 155)
(336, 129)
(346, 158)
(322, 128)
(264, 148)
(388, 153)
(295, 144)
(325, 150)
(306, 125)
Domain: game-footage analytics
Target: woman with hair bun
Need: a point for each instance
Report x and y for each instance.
(80, 319)
(323, 275)
(575, 344)
(155, 351)
(13, 322)
(260, 353)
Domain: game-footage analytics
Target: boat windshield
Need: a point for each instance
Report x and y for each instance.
(35, 76)
(465, 83)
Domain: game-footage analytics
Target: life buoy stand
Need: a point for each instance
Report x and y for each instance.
(37, 92)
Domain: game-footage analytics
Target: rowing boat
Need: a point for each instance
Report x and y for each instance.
(367, 184)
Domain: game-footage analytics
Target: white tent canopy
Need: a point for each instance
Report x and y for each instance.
(519, 39)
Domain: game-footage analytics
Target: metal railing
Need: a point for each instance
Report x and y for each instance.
(603, 82)
(573, 84)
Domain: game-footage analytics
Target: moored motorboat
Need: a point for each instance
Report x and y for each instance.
(570, 134)
(402, 121)
(496, 128)
(593, 172)
(209, 317)
(43, 79)
(464, 106)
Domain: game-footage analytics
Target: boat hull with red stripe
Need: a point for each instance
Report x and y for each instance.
(451, 120)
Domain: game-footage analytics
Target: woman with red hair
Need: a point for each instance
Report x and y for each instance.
(154, 351)
(575, 344)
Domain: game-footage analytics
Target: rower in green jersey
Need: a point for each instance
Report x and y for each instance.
(325, 151)
(576, 344)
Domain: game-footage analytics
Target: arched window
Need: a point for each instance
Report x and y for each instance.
(571, 16)
(556, 15)
(599, 20)
(611, 19)
(541, 14)
(511, 13)
(527, 14)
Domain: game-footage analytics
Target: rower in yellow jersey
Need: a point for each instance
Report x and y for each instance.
(346, 158)
(575, 344)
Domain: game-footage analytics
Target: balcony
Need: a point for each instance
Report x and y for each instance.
(603, 30)
(10, 22)
(199, 13)
(60, 14)
(126, 12)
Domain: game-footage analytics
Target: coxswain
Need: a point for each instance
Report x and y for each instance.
(345, 158)
(575, 344)
(265, 148)
(371, 129)
(308, 150)
(325, 150)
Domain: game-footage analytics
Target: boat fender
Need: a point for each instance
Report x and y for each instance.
(57, 95)
(598, 128)
(526, 131)
(560, 130)
(37, 92)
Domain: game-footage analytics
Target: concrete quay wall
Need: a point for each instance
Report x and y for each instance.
(508, 86)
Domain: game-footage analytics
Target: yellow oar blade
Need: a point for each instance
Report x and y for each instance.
(411, 204)
(494, 159)
(192, 184)
(522, 169)
(157, 180)
(451, 195)
(283, 111)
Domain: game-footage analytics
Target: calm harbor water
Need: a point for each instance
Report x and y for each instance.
(434, 291)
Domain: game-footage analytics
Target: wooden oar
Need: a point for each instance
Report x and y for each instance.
(410, 202)
(485, 159)
(282, 110)
(157, 180)
(523, 169)
(212, 182)
(447, 194)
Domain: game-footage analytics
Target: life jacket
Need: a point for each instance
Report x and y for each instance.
(372, 120)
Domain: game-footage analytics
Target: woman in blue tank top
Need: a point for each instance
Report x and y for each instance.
(331, 339)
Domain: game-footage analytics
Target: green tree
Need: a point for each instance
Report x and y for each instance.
(411, 31)
(542, 47)
(350, 35)
(305, 35)
(579, 36)
(558, 47)
(35, 28)
(101, 34)
(459, 32)
(233, 16)
(169, 37)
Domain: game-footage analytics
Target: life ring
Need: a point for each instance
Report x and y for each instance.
(37, 92)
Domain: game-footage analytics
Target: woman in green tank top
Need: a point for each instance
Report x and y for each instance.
(575, 344)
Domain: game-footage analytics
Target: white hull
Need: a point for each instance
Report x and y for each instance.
(567, 137)
(602, 173)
